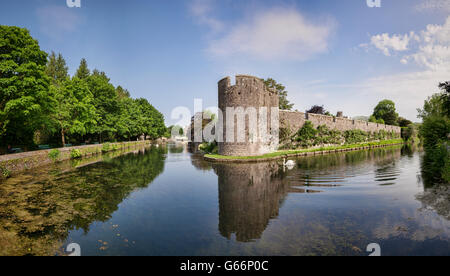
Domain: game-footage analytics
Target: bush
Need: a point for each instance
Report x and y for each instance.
(306, 133)
(4, 172)
(54, 155)
(209, 148)
(355, 136)
(409, 133)
(75, 153)
(434, 130)
(308, 136)
(106, 147)
(115, 147)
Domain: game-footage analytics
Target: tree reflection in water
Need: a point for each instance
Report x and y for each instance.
(38, 209)
(250, 195)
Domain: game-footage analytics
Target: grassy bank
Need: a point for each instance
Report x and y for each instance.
(291, 153)
(15, 163)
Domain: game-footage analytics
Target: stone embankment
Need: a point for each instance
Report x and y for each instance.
(15, 163)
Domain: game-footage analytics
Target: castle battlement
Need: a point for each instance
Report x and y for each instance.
(250, 91)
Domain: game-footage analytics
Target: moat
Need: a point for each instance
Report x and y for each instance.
(166, 201)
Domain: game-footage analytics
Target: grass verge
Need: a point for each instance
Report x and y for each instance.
(294, 152)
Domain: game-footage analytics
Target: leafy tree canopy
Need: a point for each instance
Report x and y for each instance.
(386, 110)
(83, 70)
(433, 106)
(402, 122)
(75, 112)
(373, 119)
(56, 68)
(282, 93)
(25, 100)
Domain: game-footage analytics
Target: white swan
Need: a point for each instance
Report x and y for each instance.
(288, 164)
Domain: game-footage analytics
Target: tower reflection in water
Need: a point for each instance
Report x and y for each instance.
(250, 195)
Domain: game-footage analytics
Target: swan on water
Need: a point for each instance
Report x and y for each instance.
(289, 164)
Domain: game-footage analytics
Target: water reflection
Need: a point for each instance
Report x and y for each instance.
(251, 195)
(332, 204)
(39, 208)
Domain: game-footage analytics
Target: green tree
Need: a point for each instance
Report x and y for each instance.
(106, 102)
(56, 68)
(433, 106)
(25, 101)
(386, 110)
(435, 135)
(153, 120)
(178, 129)
(282, 93)
(373, 119)
(402, 122)
(74, 109)
(130, 121)
(83, 71)
(122, 93)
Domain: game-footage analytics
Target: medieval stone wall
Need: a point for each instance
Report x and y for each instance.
(251, 91)
(248, 92)
(293, 121)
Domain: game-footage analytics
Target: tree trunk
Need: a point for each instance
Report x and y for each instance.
(63, 138)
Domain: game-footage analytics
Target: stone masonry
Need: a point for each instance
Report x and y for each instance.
(248, 92)
(251, 91)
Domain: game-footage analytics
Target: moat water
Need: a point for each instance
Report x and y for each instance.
(165, 201)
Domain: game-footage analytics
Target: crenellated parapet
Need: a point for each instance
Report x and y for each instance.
(294, 120)
(249, 94)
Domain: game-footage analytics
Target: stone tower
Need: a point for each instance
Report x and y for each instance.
(249, 93)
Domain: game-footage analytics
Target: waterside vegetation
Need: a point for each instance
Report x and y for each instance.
(321, 150)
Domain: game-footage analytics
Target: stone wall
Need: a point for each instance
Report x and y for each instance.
(251, 91)
(248, 92)
(293, 121)
(16, 163)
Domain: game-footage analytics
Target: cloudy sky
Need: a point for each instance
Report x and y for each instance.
(341, 54)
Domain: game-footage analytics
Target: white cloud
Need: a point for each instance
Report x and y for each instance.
(55, 21)
(274, 34)
(433, 47)
(385, 43)
(202, 11)
(428, 50)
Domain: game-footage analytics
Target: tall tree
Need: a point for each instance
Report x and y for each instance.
(386, 110)
(130, 120)
(122, 93)
(106, 102)
(402, 122)
(74, 110)
(434, 133)
(25, 101)
(317, 109)
(282, 93)
(153, 120)
(83, 70)
(56, 68)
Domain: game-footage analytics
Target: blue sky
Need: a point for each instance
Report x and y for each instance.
(341, 54)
